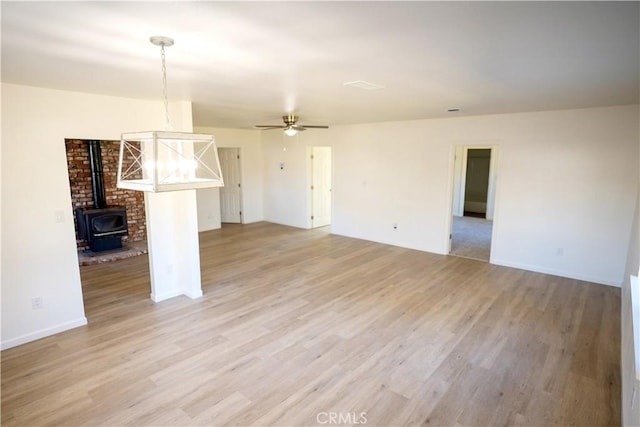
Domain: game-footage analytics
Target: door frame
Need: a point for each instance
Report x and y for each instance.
(492, 191)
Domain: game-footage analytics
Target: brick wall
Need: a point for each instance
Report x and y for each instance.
(81, 193)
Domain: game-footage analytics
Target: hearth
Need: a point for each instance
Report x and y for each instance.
(101, 226)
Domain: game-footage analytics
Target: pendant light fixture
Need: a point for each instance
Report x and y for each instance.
(158, 161)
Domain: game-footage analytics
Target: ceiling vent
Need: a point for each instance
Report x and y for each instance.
(361, 84)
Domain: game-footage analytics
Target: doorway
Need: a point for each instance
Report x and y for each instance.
(231, 193)
(473, 201)
(321, 173)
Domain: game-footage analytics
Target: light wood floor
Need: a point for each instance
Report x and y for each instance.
(297, 323)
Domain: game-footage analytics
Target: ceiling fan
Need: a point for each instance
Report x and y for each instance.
(290, 127)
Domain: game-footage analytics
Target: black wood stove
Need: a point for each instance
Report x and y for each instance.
(101, 226)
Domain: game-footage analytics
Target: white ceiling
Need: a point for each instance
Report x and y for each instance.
(248, 63)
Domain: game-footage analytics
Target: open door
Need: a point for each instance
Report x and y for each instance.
(320, 186)
(473, 201)
(465, 166)
(231, 193)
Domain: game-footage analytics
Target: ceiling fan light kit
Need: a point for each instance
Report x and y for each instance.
(158, 161)
(290, 127)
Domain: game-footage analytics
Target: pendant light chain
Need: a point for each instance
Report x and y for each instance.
(164, 88)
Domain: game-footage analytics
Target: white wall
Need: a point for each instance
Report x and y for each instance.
(39, 255)
(251, 164)
(172, 232)
(565, 195)
(208, 208)
(172, 239)
(286, 190)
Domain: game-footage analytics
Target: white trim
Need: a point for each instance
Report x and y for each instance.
(42, 333)
(537, 269)
(165, 296)
(193, 294)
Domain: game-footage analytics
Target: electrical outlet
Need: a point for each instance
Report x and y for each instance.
(36, 303)
(559, 251)
(59, 216)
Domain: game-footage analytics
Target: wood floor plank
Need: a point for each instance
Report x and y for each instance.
(294, 323)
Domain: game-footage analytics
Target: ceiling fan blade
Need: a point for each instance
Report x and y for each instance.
(267, 127)
(290, 123)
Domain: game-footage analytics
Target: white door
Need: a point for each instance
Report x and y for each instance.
(320, 186)
(230, 194)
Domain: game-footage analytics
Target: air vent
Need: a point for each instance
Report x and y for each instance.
(361, 84)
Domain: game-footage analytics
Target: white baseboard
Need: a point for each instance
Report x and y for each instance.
(538, 269)
(42, 333)
(194, 294)
(173, 294)
(166, 295)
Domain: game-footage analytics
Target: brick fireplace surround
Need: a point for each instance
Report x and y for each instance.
(81, 194)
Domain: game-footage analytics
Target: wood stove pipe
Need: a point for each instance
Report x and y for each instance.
(97, 174)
